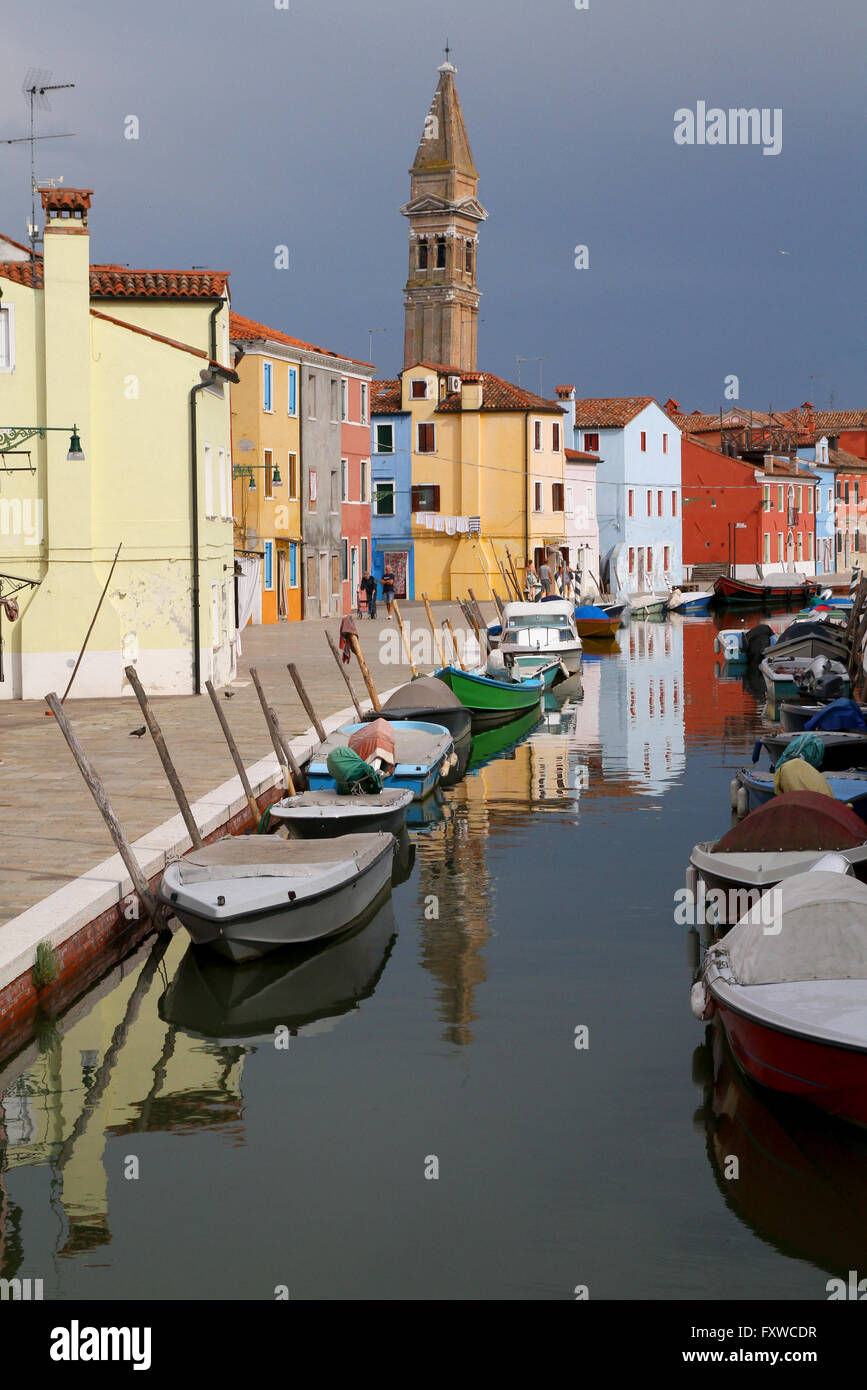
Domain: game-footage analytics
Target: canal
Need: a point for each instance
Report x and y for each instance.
(495, 1090)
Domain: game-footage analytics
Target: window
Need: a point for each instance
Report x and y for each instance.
(839, 542)
(766, 552)
(779, 547)
(209, 481)
(293, 391)
(335, 491)
(383, 503)
(267, 386)
(644, 441)
(801, 545)
(557, 499)
(221, 478)
(537, 435)
(311, 397)
(665, 451)
(313, 490)
(365, 391)
(809, 492)
(344, 480)
(418, 388)
(856, 492)
(441, 253)
(591, 510)
(674, 501)
(631, 560)
(810, 555)
(839, 490)
(268, 575)
(422, 254)
(385, 439)
(426, 438)
(650, 559)
(846, 491)
(365, 475)
(215, 614)
(780, 498)
(666, 558)
(630, 498)
(830, 499)
(468, 258)
(659, 506)
(7, 338)
(364, 555)
(537, 502)
(268, 460)
(293, 565)
(292, 477)
(344, 398)
(570, 502)
(426, 498)
(649, 502)
(767, 497)
(555, 437)
(591, 442)
(344, 560)
(335, 387)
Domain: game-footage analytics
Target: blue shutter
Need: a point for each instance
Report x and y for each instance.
(293, 386)
(269, 564)
(293, 565)
(266, 385)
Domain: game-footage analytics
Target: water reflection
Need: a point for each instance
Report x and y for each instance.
(648, 684)
(802, 1179)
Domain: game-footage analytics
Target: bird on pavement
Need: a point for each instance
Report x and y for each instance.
(137, 733)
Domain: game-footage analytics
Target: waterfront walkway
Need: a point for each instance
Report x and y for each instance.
(51, 828)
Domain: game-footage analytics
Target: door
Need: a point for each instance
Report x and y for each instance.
(398, 562)
(354, 576)
(324, 586)
(282, 599)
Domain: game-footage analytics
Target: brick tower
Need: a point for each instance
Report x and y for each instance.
(441, 298)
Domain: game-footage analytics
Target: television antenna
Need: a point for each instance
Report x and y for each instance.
(35, 86)
(540, 360)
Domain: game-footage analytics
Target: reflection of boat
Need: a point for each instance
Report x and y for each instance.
(491, 702)
(249, 894)
(801, 1182)
(791, 990)
(322, 814)
(421, 750)
(430, 810)
(294, 988)
(491, 742)
(775, 588)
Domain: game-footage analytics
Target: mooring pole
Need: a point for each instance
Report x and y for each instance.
(236, 756)
(403, 638)
(100, 796)
(447, 623)
(168, 766)
(282, 753)
(341, 666)
(433, 627)
(352, 639)
(306, 702)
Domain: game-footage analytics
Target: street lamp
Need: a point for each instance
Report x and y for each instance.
(16, 434)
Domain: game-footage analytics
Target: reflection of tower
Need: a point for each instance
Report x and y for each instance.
(641, 713)
(441, 298)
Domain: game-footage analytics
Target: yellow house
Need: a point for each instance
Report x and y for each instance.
(266, 437)
(132, 363)
(487, 476)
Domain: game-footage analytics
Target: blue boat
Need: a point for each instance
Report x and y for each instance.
(849, 786)
(422, 752)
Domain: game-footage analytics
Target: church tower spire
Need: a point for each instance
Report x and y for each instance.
(441, 298)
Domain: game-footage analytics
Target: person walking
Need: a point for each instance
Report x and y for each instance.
(388, 589)
(568, 579)
(532, 587)
(546, 578)
(368, 584)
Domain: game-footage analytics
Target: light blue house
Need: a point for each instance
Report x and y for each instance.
(391, 480)
(816, 457)
(638, 490)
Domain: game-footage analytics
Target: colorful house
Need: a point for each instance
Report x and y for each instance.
(115, 424)
(581, 547)
(815, 459)
(788, 516)
(850, 519)
(355, 484)
(638, 487)
(391, 462)
(722, 511)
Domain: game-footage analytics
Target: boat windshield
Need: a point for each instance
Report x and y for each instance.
(539, 620)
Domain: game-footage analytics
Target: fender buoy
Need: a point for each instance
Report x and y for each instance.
(734, 788)
(743, 805)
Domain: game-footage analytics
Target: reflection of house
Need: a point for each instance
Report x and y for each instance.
(391, 518)
(647, 683)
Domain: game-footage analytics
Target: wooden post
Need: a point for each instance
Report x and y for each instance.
(504, 575)
(354, 643)
(478, 621)
(306, 701)
(281, 742)
(90, 629)
(433, 627)
(156, 734)
(515, 578)
(403, 638)
(500, 605)
(100, 796)
(447, 623)
(236, 756)
(341, 666)
(284, 756)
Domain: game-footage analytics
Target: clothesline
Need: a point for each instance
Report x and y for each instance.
(451, 525)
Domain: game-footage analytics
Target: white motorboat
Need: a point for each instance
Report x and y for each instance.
(534, 634)
(249, 894)
(321, 814)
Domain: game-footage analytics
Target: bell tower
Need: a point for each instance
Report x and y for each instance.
(441, 299)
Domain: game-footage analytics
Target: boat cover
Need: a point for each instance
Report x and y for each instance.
(795, 821)
(425, 693)
(351, 773)
(838, 717)
(589, 610)
(756, 640)
(807, 746)
(798, 775)
(260, 856)
(374, 740)
(822, 921)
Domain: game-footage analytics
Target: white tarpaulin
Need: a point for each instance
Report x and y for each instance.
(818, 932)
(248, 590)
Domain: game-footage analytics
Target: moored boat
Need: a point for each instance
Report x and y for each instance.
(491, 701)
(428, 700)
(849, 787)
(774, 588)
(324, 813)
(834, 714)
(595, 623)
(423, 753)
(793, 1000)
(247, 895)
(647, 605)
(840, 750)
(812, 639)
(534, 634)
(788, 678)
(697, 601)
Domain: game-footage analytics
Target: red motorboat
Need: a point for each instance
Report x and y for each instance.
(791, 989)
(774, 588)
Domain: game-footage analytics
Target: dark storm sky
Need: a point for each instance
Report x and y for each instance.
(262, 126)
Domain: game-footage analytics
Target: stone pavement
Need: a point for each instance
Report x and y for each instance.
(51, 828)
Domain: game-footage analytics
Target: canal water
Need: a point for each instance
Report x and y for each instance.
(495, 1089)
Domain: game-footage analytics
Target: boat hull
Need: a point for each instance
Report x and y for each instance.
(841, 751)
(491, 702)
(739, 591)
(597, 629)
(852, 790)
(794, 717)
(331, 815)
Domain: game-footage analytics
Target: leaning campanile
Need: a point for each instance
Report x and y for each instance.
(441, 298)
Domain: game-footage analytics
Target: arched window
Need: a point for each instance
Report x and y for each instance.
(422, 254)
(441, 252)
(468, 258)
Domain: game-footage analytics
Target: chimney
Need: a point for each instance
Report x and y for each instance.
(565, 393)
(472, 391)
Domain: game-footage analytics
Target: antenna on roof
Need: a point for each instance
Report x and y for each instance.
(35, 85)
(540, 360)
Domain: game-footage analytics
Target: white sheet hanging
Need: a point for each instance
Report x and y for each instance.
(248, 590)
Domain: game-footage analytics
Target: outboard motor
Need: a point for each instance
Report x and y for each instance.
(808, 680)
(756, 641)
(829, 687)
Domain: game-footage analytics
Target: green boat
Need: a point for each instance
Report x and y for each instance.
(491, 702)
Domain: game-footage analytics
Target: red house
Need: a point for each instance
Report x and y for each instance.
(354, 484)
(788, 516)
(722, 509)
